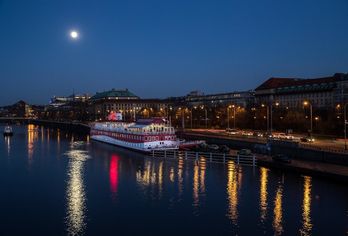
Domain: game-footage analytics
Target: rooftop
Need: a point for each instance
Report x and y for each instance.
(115, 94)
(273, 82)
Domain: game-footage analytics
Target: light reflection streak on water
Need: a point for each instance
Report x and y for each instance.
(48, 136)
(202, 168)
(171, 174)
(32, 136)
(180, 175)
(42, 134)
(151, 176)
(76, 197)
(263, 193)
(306, 206)
(198, 181)
(278, 211)
(196, 185)
(232, 192)
(8, 144)
(113, 175)
(58, 136)
(160, 178)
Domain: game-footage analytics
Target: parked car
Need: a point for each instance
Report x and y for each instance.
(261, 148)
(244, 152)
(307, 139)
(281, 158)
(232, 131)
(213, 147)
(258, 134)
(247, 133)
(284, 136)
(224, 149)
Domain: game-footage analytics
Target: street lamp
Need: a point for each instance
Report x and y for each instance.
(205, 112)
(234, 116)
(345, 126)
(307, 103)
(269, 116)
(192, 116)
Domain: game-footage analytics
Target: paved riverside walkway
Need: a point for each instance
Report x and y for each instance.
(338, 172)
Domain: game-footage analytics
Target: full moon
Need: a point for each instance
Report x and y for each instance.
(74, 34)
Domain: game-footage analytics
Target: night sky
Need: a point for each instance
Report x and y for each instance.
(166, 47)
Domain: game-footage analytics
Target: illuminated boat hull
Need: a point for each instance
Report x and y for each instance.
(140, 147)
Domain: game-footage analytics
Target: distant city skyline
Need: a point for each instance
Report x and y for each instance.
(162, 49)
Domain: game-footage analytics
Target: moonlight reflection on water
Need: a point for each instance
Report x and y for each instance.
(76, 196)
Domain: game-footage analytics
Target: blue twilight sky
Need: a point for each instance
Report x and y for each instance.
(166, 47)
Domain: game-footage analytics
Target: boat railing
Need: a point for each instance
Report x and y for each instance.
(133, 132)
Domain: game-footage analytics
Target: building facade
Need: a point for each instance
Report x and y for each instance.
(242, 99)
(130, 105)
(322, 93)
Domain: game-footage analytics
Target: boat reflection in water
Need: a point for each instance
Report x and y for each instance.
(306, 207)
(198, 186)
(180, 176)
(32, 133)
(278, 211)
(75, 193)
(150, 177)
(8, 144)
(113, 175)
(234, 177)
(263, 193)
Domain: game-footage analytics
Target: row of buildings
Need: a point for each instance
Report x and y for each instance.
(327, 96)
(322, 93)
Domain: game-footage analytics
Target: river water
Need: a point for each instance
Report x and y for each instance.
(55, 183)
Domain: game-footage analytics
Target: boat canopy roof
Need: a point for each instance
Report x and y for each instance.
(155, 120)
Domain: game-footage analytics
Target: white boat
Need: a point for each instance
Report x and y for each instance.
(8, 131)
(144, 135)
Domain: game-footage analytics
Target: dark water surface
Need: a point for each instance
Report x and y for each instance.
(53, 183)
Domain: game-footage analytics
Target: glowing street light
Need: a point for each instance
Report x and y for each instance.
(234, 116)
(307, 103)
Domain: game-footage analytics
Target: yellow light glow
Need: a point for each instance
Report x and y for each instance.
(232, 192)
(263, 193)
(306, 207)
(196, 186)
(202, 167)
(278, 212)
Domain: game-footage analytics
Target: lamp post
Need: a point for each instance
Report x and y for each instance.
(267, 116)
(277, 104)
(345, 126)
(234, 116)
(206, 118)
(170, 115)
(306, 103)
(205, 113)
(192, 116)
(182, 118)
(228, 116)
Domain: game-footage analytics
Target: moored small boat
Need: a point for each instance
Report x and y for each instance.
(8, 131)
(190, 144)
